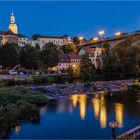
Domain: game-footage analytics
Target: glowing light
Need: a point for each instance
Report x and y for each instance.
(118, 34)
(81, 38)
(94, 39)
(101, 32)
(74, 65)
(119, 109)
(82, 102)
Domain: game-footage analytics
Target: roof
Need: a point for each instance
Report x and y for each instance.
(90, 50)
(20, 35)
(59, 37)
(66, 58)
(9, 32)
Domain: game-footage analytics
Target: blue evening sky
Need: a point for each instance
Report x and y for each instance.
(72, 18)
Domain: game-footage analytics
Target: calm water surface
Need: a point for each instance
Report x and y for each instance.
(83, 116)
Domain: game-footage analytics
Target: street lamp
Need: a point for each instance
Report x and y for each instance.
(101, 33)
(117, 34)
(113, 125)
(81, 39)
(94, 39)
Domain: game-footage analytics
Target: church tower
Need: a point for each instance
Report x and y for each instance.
(13, 27)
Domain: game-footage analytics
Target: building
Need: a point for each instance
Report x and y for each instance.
(13, 27)
(67, 60)
(57, 40)
(8, 37)
(94, 54)
(22, 40)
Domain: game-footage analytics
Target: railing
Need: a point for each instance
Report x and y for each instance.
(132, 133)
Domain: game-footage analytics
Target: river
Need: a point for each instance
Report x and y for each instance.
(83, 116)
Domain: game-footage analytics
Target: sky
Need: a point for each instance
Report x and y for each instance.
(74, 18)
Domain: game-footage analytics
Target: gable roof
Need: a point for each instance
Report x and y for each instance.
(9, 32)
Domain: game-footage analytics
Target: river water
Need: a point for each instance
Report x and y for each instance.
(83, 116)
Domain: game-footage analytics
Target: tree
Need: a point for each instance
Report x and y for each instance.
(87, 69)
(35, 36)
(49, 55)
(72, 48)
(28, 57)
(9, 55)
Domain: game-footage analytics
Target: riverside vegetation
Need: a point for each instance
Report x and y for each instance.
(18, 105)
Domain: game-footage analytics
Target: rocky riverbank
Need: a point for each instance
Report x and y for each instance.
(61, 90)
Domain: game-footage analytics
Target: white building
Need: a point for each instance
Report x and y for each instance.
(22, 40)
(57, 40)
(93, 54)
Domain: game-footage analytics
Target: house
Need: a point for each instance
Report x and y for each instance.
(67, 60)
(94, 54)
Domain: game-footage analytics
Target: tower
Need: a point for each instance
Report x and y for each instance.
(13, 27)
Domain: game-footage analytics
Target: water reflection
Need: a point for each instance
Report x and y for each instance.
(96, 107)
(82, 102)
(74, 99)
(100, 109)
(81, 99)
(17, 129)
(119, 113)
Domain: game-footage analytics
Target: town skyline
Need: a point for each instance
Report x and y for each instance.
(46, 22)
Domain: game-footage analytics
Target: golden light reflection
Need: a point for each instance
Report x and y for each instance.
(96, 107)
(17, 129)
(103, 117)
(119, 113)
(82, 102)
(100, 110)
(74, 99)
(81, 99)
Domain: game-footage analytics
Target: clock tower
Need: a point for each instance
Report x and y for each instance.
(13, 27)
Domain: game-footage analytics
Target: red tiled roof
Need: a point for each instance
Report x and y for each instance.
(90, 50)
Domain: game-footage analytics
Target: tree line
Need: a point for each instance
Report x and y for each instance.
(119, 62)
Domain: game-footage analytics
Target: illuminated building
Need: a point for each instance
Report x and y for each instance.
(13, 27)
(8, 37)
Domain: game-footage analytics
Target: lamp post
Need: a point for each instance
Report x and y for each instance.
(117, 34)
(81, 39)
(113, 125)
(101, 33)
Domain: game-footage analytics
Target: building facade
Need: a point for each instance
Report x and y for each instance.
(66, 61)
(57, 40)
(94, 55)
(8, 37)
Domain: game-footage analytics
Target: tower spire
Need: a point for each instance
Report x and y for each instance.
(12, 13)
(13, 27)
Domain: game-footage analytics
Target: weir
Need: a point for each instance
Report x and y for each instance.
(131, 134)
